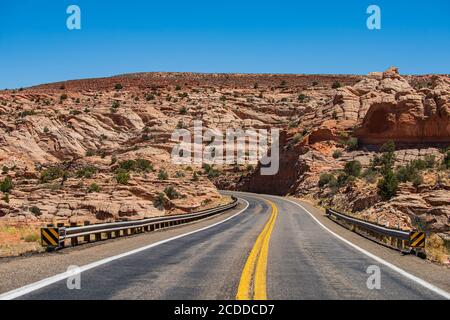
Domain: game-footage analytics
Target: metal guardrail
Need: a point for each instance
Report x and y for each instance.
(55, 237)
(394, 238)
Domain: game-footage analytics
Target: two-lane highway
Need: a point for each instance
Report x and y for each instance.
(273, 249)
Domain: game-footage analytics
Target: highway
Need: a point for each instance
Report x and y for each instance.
(273, 249)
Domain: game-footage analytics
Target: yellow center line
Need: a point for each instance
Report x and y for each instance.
(255, 267)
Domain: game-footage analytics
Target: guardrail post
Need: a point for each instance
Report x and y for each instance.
(87, 238)
(74, 240)
(61, 225)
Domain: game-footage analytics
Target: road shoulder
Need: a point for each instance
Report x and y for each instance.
(16, 272)
(435, 274)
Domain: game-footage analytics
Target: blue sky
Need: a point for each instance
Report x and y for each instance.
(218, 36)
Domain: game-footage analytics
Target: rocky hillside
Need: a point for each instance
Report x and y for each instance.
(377, 149)
(99, 149)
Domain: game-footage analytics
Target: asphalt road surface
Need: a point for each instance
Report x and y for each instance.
(272, 250)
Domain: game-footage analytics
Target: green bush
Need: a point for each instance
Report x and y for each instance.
(446, 161)
(183, 110)
(160, 201)
(163, 175)
(86, 172)
(353, 168)
(326, 179)
(178, 87)
(140, 165)
(352, 144)
(171, 192)
(149, 97)
(336, 85)
(337, 154)
(6, 185)
(51, 174)
(388, 185)
(122, 176)
(94, 188)
(35, 211)
(302, 97)
(195, 176)
(118, 86)
(5, 169)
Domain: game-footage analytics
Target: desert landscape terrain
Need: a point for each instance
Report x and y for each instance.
(99, 150)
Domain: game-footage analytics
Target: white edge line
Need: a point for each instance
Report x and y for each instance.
(404, 273)
(50, 280)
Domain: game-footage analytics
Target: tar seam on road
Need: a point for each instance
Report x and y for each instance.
(50, 280)
(255, 267)
(422, 282)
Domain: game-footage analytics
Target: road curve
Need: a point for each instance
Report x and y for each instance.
(297, 259)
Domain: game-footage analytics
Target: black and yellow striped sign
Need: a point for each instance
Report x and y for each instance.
(50, 237)
(417, 239)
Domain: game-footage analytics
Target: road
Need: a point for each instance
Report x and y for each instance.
(272, 250)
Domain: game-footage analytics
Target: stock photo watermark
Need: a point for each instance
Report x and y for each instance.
(73, 21)
(374, 280)
(74, 280)
(374, 20)
(234, 146)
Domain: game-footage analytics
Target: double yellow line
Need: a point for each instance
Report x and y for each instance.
(255, 269)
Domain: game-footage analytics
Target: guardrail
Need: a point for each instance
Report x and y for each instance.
(398, 239)
(55, 237)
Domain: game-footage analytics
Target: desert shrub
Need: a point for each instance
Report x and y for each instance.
(51, 174)
(351, 144)
(337, 154)
(249, 167)
(388, 185)
(163, 175)
(446, 160)
(283, 83)
(46, 130)
(370, 175)
(297, 137)
(178, 87)
(86, 172)
(140, 165)
(326, 179)
(336, 85)
(5, 169)
(344, 179)
(417, 180)
(122, 176)
(315, 83)
(179, 174)
(183, 110)
(94, 188)
(334, 115)
(430, 160)
(160, 201)
(5, 197)
(115, 104)
(302, 97)
(63, 97)
(6, 185)
(32, 237)
(195, 176)
(149, 97)
(118, 86)
(353, 168)
(171, 193)
(35, 211)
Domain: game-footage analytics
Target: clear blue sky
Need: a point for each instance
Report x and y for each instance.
(219, 36)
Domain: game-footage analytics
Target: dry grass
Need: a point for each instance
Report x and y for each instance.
(436, 249)
(16, 240)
